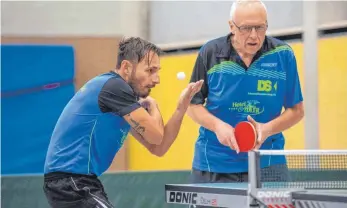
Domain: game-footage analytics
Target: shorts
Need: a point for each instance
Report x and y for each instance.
(66, 190)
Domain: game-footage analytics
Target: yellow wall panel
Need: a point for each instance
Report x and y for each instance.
(167, 93)
(333, 93)
(294, 137)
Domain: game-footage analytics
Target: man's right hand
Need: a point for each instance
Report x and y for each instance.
(226, 136)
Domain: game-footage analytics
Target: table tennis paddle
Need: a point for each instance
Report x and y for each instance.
(246, 136)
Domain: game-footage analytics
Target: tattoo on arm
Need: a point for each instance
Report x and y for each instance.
(139, 129)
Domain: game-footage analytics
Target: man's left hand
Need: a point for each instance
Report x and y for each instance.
(148, 103)
(263, 131)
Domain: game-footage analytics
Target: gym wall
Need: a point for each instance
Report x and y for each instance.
(332, 86)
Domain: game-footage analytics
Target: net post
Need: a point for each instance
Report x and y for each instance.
(253, 177)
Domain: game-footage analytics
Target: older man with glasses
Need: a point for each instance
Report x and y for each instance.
(248, 76)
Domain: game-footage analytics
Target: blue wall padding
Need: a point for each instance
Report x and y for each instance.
(27, 120)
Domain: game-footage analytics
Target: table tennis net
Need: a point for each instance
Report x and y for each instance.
(305, 169)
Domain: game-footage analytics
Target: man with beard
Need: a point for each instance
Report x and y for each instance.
(96, 121)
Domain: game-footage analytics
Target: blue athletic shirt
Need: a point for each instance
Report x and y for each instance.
(232, 91)
(91, 129)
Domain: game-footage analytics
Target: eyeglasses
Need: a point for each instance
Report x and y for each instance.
(244, 29)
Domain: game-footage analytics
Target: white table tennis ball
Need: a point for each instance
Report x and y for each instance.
(181, 75)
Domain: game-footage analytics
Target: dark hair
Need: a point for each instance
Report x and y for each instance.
(134, 49)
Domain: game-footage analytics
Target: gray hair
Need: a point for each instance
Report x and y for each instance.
(238, 3)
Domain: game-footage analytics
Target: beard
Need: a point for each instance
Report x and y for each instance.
(144, 93)
(139, 90)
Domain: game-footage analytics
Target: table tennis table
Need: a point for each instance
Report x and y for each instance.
(236, 195)
(271, 194)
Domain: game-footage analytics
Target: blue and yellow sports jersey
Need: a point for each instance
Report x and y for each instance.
(232, 91)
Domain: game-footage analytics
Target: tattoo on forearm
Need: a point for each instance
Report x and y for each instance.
(139, 129)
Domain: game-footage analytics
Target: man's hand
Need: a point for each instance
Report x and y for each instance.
(172, 127)
(263, 131)
(187, 95)
(148, 103)
(226, 136)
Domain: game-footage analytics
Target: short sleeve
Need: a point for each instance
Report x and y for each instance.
(293, 94)
(200, 73)
(118, 97)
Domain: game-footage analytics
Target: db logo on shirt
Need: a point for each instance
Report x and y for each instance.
(266, 86)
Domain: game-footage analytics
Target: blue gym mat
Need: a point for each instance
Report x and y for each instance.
(37, 82)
